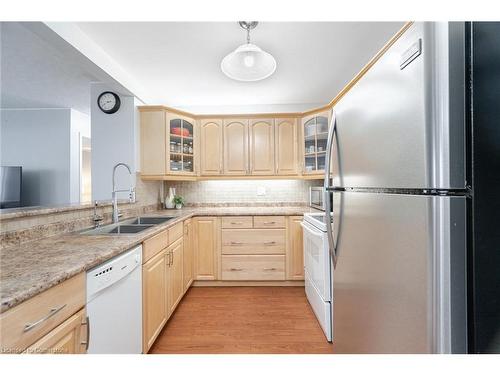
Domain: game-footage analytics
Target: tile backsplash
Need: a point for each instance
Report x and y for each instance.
(243, 191)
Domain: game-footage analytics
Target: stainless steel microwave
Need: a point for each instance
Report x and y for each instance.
(316, 197)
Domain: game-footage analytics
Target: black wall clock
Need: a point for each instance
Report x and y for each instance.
(108, 102)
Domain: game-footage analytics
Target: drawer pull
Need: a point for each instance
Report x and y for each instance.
(236, 243)
(236, 269)
(271, 243)
(51, 313)
(87, 342)
(269, 222)
(236, 223)
(270, 269)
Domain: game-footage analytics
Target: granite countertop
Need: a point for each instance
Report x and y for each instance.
(34, 267)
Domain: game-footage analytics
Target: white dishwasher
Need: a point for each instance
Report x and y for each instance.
(114, 304)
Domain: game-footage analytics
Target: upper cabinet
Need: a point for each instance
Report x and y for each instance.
(261, 133)
(211, 147)
(180, 147)
(153, 138)
(286, 146)
(314, 136)
(236, 147)
(175, 146)
(168, 146)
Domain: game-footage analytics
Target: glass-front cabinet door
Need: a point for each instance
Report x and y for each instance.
(180, 144)
(315, 134)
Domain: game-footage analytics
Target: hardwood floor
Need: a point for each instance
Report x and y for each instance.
(243, 320)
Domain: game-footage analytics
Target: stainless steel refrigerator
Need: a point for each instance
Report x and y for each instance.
(398, 178)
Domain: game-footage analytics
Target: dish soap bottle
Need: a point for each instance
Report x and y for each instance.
(169, 201)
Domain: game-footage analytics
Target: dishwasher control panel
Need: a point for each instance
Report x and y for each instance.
(112, 271)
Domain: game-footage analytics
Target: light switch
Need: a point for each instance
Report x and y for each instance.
(261, 190)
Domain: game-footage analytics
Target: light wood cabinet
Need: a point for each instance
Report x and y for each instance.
(207, 248)
(153, 143)
(26, 323)
(237, 222)
(314, 139)
(176, 280)
(253, 267)
(267, 222)
(154, 297)
(188, 254)
(236, 147)
(261, 133)
(163, 283)
(168, 144)
(286, 146)
(294, 249)
(211, 147)
(253, 241)
(180, 144)
(70, 337)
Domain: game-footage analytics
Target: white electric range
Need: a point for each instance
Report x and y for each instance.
(318, 269)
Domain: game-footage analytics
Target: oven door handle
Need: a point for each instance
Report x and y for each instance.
(311, 230)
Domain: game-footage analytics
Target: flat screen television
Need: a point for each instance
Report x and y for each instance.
(10, 186)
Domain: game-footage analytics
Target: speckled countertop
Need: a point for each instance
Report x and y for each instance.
(31, 268)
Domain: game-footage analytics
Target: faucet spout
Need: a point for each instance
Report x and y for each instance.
(113, 193)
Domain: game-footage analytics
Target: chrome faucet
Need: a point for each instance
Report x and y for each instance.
(131, 191)
(97, 218)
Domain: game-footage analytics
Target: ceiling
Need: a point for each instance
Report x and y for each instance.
(178, 63)
(41, 70)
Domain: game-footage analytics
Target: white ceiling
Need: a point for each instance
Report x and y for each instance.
(41, 70)
(178, 63)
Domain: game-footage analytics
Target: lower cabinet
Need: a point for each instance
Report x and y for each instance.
(253, 267)
(188, 254)
(207, 248)
(175, 275)
(245, 248)
(154, 297)
(70, 337)
(295, 249)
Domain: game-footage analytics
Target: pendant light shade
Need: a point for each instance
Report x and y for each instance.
(248, 62)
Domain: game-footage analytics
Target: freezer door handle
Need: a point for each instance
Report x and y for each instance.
(327, 187)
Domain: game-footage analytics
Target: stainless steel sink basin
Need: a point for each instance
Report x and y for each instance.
(148, 220)
(129, 226)
(117, 229)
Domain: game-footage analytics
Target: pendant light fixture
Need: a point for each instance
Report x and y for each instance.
(248, 62)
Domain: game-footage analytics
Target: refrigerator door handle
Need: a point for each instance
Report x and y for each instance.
(327, 187)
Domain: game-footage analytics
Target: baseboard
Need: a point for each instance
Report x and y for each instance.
(198, 283)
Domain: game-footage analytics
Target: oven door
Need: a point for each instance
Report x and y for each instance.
(316, 260)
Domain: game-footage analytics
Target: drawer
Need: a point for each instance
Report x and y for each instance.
(70, 337)
(269, 222)
(253, 241)
(175, 232)
(237, 222)
(154, 245)
(43, 312)
(253, 267)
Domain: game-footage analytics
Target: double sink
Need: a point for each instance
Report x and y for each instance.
(129, 226)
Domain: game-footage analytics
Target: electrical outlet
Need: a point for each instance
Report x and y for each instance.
(261, 190)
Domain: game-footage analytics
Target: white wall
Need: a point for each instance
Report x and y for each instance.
(113, 141)
(80, 127)
(39, 141)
